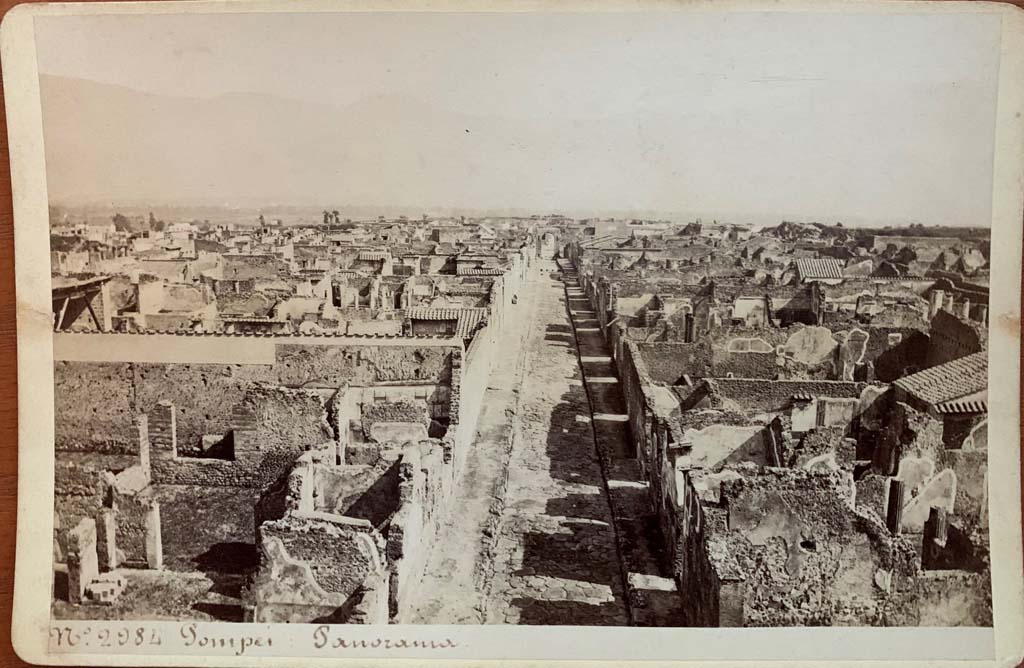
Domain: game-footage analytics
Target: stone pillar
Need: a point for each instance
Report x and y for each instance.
(143, 424)
(163, 430)
(106, 540)
(933, 548)
(947, 305)
(154, 542)
(106, 308)
(894, 512)
(82, 561)
(935, 303)
(965, 309)
(937, 526)
(981, 311)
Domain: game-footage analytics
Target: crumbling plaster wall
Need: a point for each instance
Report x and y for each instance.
(805, 556)
(405, 497)
(316, 567)
(912, 449)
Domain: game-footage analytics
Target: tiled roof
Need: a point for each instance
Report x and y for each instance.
(467, 318)
(821, 267)
(372, 255)
(431, 313)
(962, 407)
(950, 381)
(469, 321)
(480, 271)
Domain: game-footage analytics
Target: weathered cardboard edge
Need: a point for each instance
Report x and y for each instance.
(35, 358)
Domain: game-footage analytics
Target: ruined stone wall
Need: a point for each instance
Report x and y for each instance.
(767, 395)
(912, 449)
(96, 402)
(471, 373)
(184, 297)
(320, 567)
(970, 501)
(893, 358)
(269, 429)
(687, 530)
(426, 482)
(633, 375)
(242, 267)
(952, 338)
(368, 492)
(79, 491)
(401, 420)
(94, 409)
(136, 518)
(667, 362)
(804, 555)
(947, 598)
(332, 366)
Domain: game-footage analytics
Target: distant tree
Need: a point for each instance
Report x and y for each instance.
(158, 226)
(336, 216)
(121, 223)
(263, 221)
(152, 220)
(327, 217)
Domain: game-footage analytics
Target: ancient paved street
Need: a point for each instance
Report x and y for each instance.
(555, 557)
(652, 590)
(452, 590)
(533, 540)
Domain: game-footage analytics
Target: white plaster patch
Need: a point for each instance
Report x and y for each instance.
(914, 472)
(978, 438)
(749, 345)
(939, 492)
(811, 345)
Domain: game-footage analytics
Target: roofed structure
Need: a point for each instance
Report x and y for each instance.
(819, 268)
(949, 382)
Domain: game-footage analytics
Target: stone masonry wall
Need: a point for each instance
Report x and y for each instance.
(770, 395)
(96, 403)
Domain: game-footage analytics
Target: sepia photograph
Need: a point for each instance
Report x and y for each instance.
(671, 319)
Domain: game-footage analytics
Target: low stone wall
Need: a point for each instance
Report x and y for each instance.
(776, 395)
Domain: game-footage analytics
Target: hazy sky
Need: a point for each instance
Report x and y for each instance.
(882, 118)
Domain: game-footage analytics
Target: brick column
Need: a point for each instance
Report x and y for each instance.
(162, 428)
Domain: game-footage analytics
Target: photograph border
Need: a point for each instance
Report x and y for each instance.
(792, 646)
